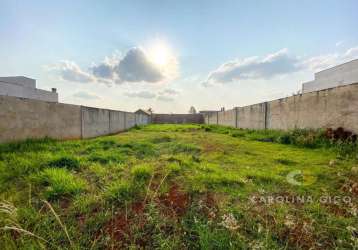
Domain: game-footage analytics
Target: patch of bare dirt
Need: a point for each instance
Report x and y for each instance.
(119, 227)
(350, 187)
(175, 202)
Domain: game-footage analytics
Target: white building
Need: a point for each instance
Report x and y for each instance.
(343, 74)
(24, 87)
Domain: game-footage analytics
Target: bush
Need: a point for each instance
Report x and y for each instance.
(308, 138)
(346, 149)
(207, 129)
(284, 139)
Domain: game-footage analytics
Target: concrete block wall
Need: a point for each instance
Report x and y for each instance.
(117, 122)
(329, 108)
(25, 118)
(335, 107)
(22, 118)
(252, 117)
(95, 122)
(212, 118)
(227, 118)
(130, 120)
(177, 118)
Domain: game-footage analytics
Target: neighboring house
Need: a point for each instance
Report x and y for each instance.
(340, 75)
(20, 86)
(145, 116)
(144, 112)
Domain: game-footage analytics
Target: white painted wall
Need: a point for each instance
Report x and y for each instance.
(24, 87)
(344, 74)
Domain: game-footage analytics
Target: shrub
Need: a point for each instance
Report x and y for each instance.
(309, 138)
(207, 129)
(346, 149)
(284, 139)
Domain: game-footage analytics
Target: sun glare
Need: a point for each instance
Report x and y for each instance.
(160, 53)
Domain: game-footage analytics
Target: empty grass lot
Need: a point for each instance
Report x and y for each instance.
(180, 187)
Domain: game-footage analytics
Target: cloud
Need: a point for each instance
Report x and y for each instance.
(165, 95)
(255, 68)
(104, 70)
(141, 94)
(169, 92)
(276, 64)
(318, 63)
(86, 95)
(339, 43)
(321, 62)
(70, 71)
(134, 66)
(351, 53)
(165, 98)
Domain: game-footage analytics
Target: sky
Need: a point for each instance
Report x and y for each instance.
(170, 55)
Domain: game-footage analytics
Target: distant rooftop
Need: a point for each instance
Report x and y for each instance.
(19, 80)
(340, 75)
(146, 112)
(25, 87)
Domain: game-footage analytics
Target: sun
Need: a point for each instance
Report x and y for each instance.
(160, 53)
(163, 57)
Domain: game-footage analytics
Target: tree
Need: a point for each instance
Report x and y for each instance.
(150, 110)
(192, 110)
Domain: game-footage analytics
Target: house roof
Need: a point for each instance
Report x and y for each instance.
(142, 111)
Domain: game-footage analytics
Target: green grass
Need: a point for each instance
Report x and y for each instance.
(180, 187)
(60, 183)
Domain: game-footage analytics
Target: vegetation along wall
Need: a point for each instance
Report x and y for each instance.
(329, 108)
(22, 118)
